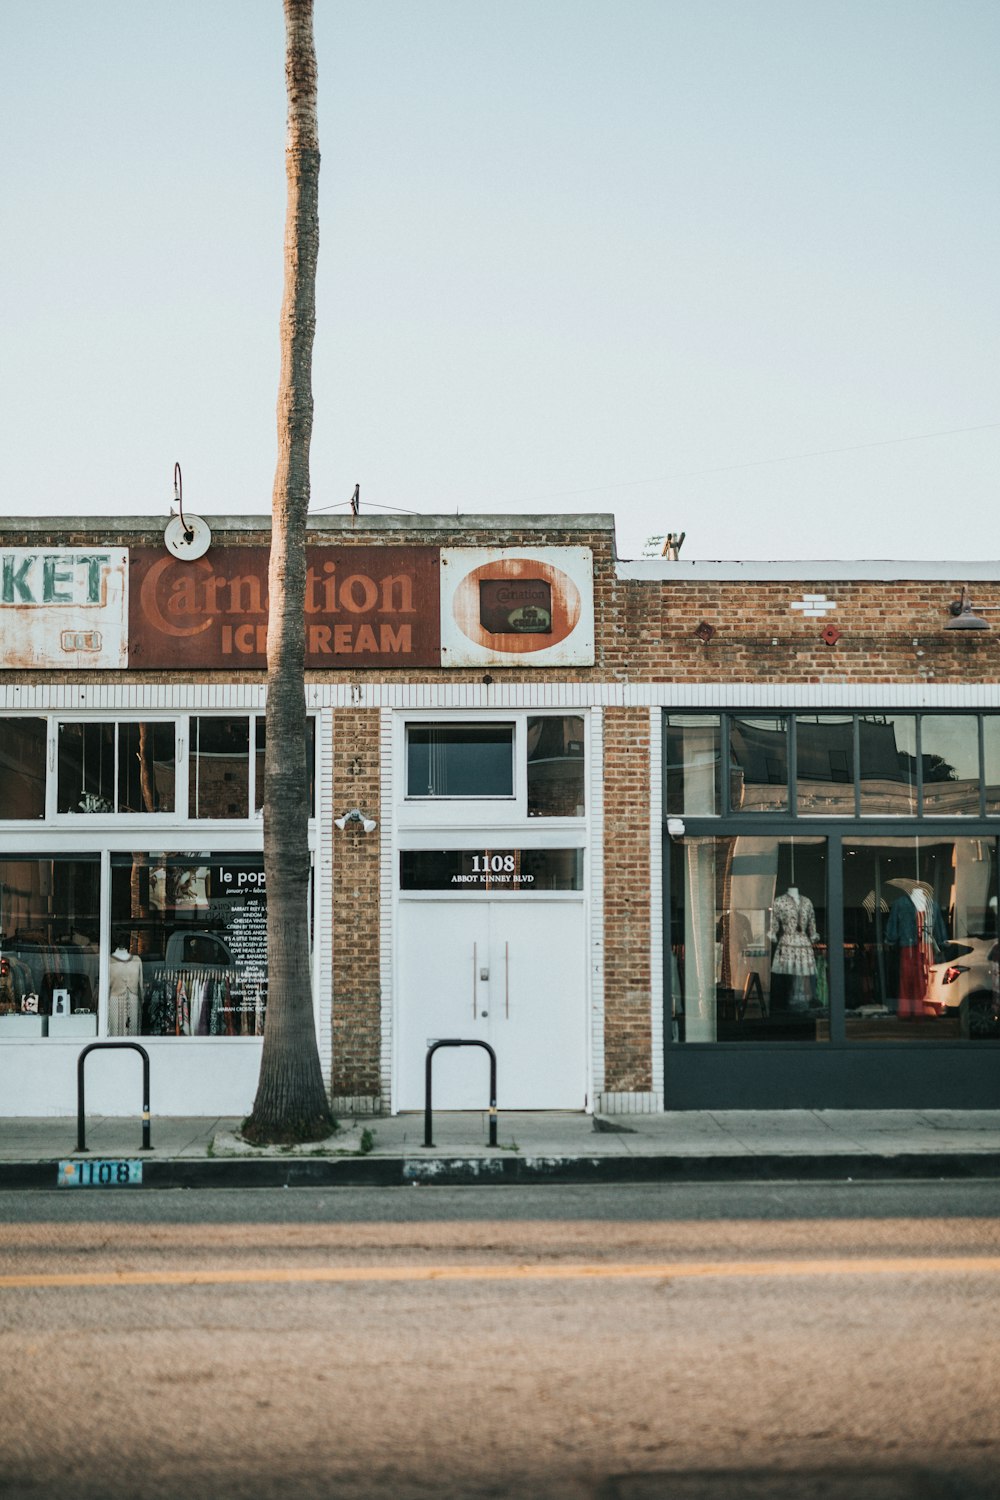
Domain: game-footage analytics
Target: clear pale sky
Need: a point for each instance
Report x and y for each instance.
(655, 257)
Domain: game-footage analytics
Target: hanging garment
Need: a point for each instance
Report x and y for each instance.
(182, 1012)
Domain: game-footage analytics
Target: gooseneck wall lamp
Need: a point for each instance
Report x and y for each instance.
(355, 816)
(964, 616)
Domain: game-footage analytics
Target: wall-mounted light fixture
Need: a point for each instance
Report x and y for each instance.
(965, 618)
(185, 536)
(355, 815)
(675, 828)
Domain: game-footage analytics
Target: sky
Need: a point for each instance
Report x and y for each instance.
(726, 267)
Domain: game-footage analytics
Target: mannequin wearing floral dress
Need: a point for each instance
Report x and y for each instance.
(793, 929)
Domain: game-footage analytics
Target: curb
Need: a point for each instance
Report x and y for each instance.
(508, 1170)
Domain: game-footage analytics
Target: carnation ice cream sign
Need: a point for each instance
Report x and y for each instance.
(63, 607)
(525, 606)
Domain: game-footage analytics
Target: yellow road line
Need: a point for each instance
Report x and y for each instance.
(625, 1270)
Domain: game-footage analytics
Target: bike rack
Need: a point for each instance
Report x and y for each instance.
(460, 1042)
(81, 1128)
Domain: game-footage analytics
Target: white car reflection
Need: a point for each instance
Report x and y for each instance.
(969, 976)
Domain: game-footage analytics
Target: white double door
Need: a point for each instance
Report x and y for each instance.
(507, 972)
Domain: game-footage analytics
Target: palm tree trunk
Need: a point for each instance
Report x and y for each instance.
(291, 1102)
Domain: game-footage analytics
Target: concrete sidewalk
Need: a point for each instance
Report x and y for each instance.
(543, 1146)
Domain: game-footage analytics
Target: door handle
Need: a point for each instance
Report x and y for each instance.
(475, 971)
(506, 981)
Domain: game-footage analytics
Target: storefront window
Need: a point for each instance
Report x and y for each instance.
(888, 757)
(260, 747)
(49, 946)
(116, 767)
(555, 766)
(219, 768)
(824, 765)
(146, 768)
(920, 939)
(188, 945)
(748, 939)
(22, 768)
(693, 764)
(460, 760)
(991, 757)
(949, 763)
(758, 764)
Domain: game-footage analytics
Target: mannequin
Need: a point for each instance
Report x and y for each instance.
(793, 928)
(124, 992)
(917, 929)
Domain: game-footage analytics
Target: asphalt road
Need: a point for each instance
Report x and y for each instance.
(623, 1343)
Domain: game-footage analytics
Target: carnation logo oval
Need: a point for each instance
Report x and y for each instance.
(516, 605)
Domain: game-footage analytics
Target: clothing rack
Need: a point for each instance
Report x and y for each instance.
(202, 1000)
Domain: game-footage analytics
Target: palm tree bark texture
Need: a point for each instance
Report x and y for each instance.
(291, 1102)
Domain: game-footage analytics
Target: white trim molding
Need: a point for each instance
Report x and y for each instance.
(656, 898)
(595, 846)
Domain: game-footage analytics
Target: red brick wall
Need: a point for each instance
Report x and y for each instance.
(889, 632)
(355, 913)
(627, 1037)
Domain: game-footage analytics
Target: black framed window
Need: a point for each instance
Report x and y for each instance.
(824, 765)
(920, 939)
(832, 765)
(892, 822)
(758, 763)
(950, 765)
(693, 764)
(748, 919)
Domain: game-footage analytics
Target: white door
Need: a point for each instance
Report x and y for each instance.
(510, 973)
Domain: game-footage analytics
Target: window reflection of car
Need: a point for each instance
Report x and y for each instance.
(968, 975)
(197, 950)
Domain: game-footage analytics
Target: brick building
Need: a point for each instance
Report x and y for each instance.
(665, 834)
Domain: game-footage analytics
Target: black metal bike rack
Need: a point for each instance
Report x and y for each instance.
(81, 1127)
(459, 1042)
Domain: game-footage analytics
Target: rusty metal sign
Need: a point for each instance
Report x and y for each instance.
(515, 606)
(365, 607)
(63, 607)
(531, 607)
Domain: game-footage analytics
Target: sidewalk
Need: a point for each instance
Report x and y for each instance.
(532, 1147)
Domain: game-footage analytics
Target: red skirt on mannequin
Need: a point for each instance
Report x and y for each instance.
(913, 977)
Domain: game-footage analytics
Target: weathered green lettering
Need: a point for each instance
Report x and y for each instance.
(16, 578)
(52, 576)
